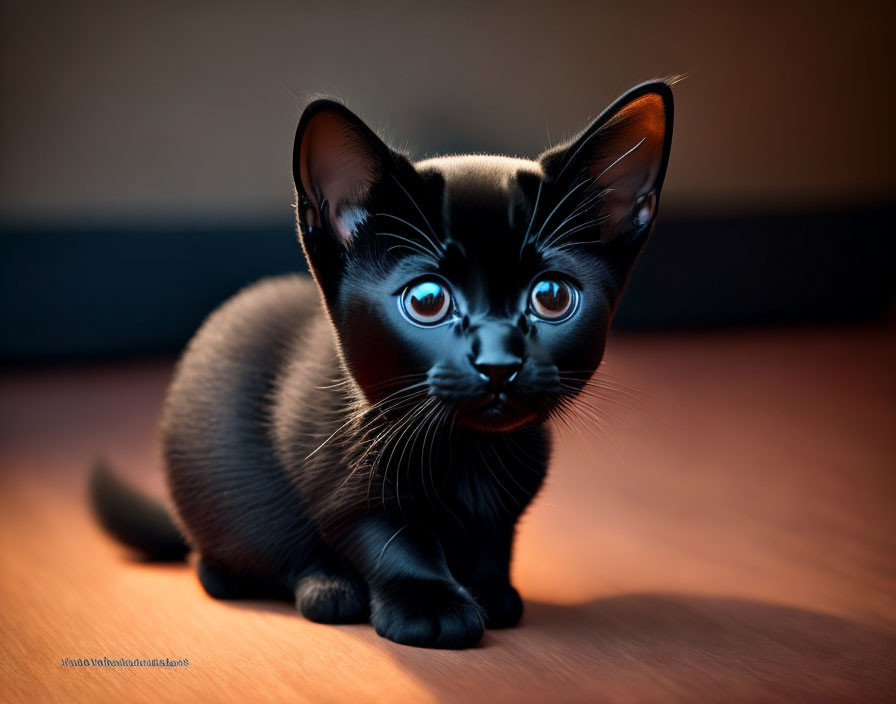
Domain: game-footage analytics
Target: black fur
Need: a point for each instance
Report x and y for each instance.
(322, 445)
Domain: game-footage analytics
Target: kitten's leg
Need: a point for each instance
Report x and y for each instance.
(488, 578)
(414, 599)
(222, 583)
(329, 596)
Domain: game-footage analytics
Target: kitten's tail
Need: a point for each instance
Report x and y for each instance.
(134, 519)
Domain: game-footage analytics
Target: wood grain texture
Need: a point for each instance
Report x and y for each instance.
(728, 534)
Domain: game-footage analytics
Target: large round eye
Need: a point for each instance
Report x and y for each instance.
(552, 299)
(426, 302)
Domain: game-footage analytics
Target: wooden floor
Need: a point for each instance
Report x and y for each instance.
(730, 535)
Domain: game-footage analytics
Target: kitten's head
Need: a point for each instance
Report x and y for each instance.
(486, 282)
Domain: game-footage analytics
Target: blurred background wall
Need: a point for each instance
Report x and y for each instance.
(145, 169)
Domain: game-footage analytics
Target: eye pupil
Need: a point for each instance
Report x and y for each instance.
(427, 302)
(552, 295)
(551, 299)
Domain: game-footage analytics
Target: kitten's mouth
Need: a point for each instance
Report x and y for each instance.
(494, 413)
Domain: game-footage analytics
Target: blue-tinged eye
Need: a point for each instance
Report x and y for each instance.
(426, 302)
(552, 299)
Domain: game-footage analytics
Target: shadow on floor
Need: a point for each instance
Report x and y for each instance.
(658, 647)
(670, 647)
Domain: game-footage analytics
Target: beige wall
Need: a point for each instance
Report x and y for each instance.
(123, 110)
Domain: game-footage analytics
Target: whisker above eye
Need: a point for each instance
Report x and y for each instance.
(557, 207)
(595, 222)
(580, 209)
(532, 219)
(411, 244)
(436, 250)
(414, 203)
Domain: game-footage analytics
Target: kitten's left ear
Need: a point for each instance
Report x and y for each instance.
(336, 161)
(339, 167)
(625, 152)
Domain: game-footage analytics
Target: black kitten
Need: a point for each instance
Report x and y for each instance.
(368, 451)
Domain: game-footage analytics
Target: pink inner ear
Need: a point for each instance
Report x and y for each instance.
(629, 153)
(336, 166)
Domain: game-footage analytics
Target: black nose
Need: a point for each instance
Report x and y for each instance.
(497, 352)
(498, 375)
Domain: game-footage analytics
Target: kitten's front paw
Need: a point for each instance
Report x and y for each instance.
(501, 603)
(426, 614)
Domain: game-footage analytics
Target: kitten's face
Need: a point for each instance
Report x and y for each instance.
(486, 284)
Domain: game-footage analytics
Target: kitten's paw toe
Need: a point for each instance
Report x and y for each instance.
(331, 598)
(426, 614)
(502, 605)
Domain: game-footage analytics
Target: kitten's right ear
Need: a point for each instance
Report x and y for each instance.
(624, 154)
(336, 161)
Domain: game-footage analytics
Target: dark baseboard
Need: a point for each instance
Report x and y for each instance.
(87, 293)
(781, 269)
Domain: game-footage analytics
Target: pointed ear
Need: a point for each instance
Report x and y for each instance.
(625, 152)
(337, 160)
